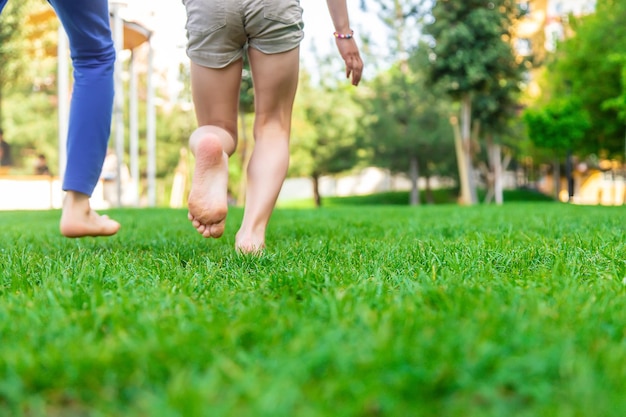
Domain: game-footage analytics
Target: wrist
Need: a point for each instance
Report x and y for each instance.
(347, 34)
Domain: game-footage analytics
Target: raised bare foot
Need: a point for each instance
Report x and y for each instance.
(208, 198)
(79, 220)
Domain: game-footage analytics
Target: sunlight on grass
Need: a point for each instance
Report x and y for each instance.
(353, 311)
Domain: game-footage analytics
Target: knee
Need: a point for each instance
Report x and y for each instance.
(107, 55)
(96, 59)
(272, 129)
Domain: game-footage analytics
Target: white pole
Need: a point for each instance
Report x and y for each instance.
(134, 129)
(63, 87)
(118, 103)
(151, 130)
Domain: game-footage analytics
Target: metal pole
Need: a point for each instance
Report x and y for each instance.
(151, 130)
(118, 103)
(134, 129)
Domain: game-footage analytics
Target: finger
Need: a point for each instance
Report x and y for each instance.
(356, 77)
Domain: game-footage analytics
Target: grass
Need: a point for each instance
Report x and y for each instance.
(353, 311)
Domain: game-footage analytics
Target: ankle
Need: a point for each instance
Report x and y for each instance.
(75, 200)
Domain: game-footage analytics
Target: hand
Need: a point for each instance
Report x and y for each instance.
(350, 53)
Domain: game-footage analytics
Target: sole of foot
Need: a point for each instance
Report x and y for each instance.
(208, 198)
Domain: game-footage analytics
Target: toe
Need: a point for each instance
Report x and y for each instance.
(217, 230)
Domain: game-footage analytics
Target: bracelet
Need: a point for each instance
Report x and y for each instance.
(344, 35)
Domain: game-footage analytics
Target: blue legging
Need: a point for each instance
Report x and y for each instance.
(93, 57)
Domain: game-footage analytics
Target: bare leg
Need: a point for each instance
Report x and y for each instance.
(216, 97)
(79, 220)
(275, 83)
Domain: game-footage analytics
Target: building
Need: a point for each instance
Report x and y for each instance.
(546, 24)
(557, 16)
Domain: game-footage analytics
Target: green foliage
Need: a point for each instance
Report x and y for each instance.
(498, 105)
(327, 123)
(559, 126)
(173, 130)
(585, 67)
(27, 44)
(473, 61)
(472, 44)
(28, 83)
(408, 119)
(10, 24)
(246, 90)
(28, 132)
(24, 51)
(356, 311)
(618, 103)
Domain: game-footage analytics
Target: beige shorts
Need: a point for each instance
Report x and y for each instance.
(219, 30)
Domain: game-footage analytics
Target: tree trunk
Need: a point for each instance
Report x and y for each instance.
(494, 154)
(569, 174)
(464, 197)
(498, 186)
(430, 199)
(557, 177)
(316, 191)
(463, 144)
(466, 123)
(414, 199)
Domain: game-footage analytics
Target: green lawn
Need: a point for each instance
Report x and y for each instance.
(355, 310)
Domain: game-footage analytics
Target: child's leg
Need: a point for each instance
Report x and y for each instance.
(216, 97)
(93, 58)
(275, 82)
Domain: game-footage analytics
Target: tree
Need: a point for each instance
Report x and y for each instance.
(618, 103)
(408, 130)
(471, 49)
(28, 79)
(494, 109)
(325, 129)
(407, 115)
(10, 34)
(560, 126)
(584, 66)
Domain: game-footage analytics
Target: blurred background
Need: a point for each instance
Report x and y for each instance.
(474, 97)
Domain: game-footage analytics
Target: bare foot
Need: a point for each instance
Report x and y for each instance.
(249, 244)
(208, 198)
(79, 220)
